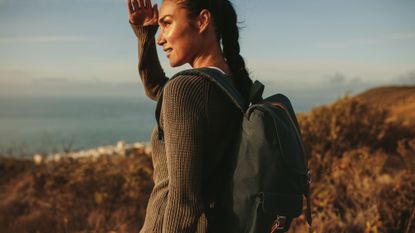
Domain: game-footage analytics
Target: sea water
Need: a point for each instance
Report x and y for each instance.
(54, 124)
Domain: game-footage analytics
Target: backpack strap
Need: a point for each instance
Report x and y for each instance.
(220, 80)
(216, 77)
(255, 95)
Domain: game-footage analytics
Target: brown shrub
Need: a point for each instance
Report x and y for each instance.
(363, 166)
(109, 194)
(355, 194)
(348, 124)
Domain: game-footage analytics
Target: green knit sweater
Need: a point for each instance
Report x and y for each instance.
(199, 123)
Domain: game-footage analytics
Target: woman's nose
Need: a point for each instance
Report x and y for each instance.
(160, 39)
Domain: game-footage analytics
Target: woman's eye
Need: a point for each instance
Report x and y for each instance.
(164, 23)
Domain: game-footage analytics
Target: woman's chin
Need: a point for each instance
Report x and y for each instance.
(175, 63)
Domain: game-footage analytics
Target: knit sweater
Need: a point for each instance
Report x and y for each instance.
(199, 123)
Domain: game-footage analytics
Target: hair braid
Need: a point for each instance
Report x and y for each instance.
(229, 32)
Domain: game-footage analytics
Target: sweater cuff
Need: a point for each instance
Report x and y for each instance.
(144, 31)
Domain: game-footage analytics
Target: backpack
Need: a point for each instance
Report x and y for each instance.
(268, 173)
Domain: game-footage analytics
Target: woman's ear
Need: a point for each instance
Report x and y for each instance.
(204, 20)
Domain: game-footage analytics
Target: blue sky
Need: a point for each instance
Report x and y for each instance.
(86, 47)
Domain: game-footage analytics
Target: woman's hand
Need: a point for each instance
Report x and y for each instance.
(142, 14)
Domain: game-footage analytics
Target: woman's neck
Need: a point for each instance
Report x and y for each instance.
(211, 56)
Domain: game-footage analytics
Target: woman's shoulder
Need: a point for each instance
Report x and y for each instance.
(186, 93)
(187, 82)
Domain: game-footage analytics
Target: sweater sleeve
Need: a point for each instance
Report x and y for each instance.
(149, 68)
(184, 130)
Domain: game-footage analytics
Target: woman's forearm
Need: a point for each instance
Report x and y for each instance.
(151, 72)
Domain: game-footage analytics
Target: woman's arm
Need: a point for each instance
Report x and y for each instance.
(143, 20)
(151, 73)
(184, 126)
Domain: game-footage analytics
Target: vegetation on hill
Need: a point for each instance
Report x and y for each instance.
(362, 164)
(108, 194)
(399, 100)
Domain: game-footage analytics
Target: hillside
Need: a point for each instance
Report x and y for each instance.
(399, 100)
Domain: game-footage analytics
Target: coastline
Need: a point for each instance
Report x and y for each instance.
(119, 149)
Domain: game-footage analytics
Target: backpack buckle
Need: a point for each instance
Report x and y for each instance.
(308, 199)
(309, 177)
(211, 205)
(278, 224)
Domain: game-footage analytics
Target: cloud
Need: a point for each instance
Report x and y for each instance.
(407, 78)
(341, 79)
(401, 36)
(45, 39)
(311, 71)
(64, 86)
(52, 80)
(336, 78)
(304, 96)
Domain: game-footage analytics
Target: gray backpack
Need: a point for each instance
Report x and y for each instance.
(264, 181)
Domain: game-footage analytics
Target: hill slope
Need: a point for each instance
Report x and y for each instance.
(399, 100)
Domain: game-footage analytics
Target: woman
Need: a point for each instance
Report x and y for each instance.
(198, 119)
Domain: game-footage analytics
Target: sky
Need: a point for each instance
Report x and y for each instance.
(310, 49)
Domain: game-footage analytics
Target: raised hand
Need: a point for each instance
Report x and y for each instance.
(142, 14)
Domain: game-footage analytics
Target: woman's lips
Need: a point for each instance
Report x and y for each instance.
(168, 51)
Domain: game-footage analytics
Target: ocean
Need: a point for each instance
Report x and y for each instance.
(31, 125)
(54, 124)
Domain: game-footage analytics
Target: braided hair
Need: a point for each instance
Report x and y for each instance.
(227, 33)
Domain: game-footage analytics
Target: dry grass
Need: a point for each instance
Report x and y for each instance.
(106, 195)
(399, 100)
(363, 165)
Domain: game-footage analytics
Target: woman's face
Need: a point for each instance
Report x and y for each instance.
(177, 35)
